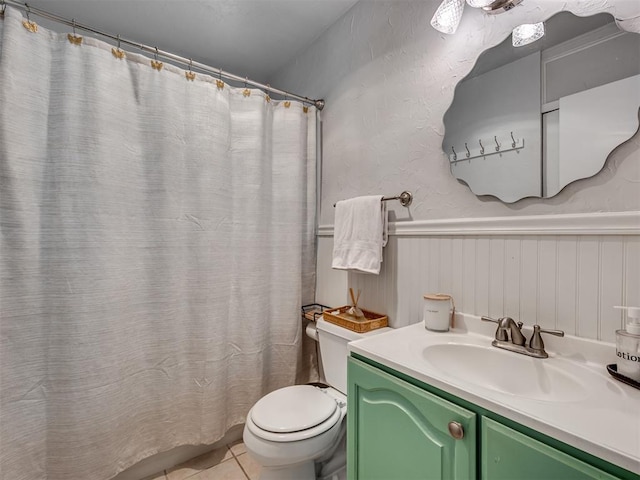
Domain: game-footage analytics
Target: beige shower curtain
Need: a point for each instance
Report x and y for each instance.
(156, 245)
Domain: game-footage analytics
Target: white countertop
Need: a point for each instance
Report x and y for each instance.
(604, 422)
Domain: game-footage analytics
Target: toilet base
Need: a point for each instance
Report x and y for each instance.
(301, 471)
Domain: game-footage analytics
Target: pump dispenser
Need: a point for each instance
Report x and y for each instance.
(628, 345)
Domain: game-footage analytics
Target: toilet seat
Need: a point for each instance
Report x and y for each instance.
(294, 413)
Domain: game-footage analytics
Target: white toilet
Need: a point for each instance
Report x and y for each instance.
(297, 433)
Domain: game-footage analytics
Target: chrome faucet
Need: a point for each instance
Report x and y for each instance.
(509, 336)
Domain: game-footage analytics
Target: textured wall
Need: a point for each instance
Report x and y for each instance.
(388, 78)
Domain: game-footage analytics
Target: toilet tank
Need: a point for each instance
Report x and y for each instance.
(333, 341)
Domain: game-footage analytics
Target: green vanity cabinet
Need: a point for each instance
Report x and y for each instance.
(508, 454)
(398, 431)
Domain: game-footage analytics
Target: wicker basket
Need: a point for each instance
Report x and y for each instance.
(371, 320)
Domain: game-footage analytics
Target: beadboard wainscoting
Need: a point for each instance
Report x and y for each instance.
(561, 271)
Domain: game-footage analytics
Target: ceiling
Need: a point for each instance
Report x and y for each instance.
(252, 38)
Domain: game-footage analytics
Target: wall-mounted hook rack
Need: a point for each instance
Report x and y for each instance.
(516, 144)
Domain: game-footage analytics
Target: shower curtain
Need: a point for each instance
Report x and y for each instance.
(156, 244)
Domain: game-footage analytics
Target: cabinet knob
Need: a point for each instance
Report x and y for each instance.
(456, 430)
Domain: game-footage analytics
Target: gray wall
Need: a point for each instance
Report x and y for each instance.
(388, 78)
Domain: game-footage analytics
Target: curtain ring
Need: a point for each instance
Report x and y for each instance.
(155, 55)
(268, 96)
(481, 147)
(27, 11)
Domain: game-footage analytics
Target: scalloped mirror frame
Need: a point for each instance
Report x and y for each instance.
(622, 117)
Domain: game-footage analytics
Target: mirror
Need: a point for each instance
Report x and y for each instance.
(529, 120)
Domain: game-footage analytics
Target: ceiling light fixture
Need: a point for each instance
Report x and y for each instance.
(448, 15)
(479, 3)
(527, 33)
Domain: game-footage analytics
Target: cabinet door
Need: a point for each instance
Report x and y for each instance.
(398, 431)
(510, 455)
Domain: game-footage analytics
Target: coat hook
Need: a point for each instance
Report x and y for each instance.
(468, 152)
(455, 155)
(481, 147)
(497, 144)
(513, 145)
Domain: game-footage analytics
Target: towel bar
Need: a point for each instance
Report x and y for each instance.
(405, 198)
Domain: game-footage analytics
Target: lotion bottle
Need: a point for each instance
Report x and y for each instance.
(628, 345)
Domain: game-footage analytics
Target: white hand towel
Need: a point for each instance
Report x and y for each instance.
(359, 233)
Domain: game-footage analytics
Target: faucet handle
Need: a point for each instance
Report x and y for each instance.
(536, 342)
(489, 319)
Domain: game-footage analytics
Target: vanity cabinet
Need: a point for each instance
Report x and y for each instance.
(508, 455)
(398, 430)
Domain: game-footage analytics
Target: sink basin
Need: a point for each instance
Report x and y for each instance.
(508, 372)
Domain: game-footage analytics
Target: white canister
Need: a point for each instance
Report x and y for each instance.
(439, 311)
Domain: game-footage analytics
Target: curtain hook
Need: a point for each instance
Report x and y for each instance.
(287, 103)
(73, 38)
(246, 91)
(268, 96)
(495, 138)
(455, 155)
(219, 82)
(117, 51)
(28, 24)
(481, 147)
(190, 75)
(155, 63)
(468, 152)
(513, 145)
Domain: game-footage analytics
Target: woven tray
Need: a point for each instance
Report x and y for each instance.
(371, 320)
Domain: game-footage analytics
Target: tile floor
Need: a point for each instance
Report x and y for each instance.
(227, 463)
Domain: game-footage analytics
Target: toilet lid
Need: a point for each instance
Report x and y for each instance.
(292, 409)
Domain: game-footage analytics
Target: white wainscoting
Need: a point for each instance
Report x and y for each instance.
(565, 272)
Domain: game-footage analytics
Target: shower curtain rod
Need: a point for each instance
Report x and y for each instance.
(319, 104)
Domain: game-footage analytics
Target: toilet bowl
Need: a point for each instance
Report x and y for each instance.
(295, 431)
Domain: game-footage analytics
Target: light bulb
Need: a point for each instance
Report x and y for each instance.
(448, 15)
(527, 33)
(479, 3)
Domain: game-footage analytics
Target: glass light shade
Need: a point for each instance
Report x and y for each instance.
(479, 3)
(447, 16)
(527, 33)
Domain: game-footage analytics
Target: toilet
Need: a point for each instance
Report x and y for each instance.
(298, 432)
